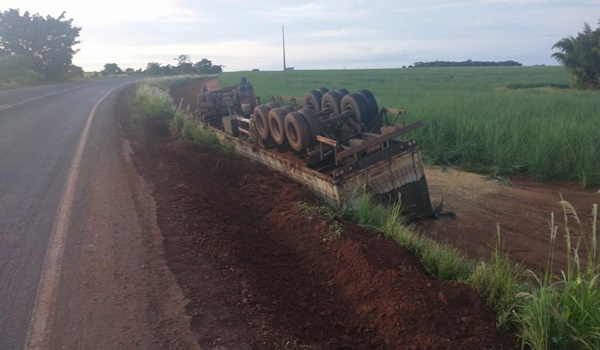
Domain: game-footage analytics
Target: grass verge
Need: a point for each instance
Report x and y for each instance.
(547, 312)
(153, 101)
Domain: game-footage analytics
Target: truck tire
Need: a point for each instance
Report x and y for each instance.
(261, 121)
(289, 109)
(276, 120)
(323, 90)
(312, 100)
(371, 102)
(332, 101)
(313, 124)
(297, 131)
(343, 91)
(356, 104)
(273, 105)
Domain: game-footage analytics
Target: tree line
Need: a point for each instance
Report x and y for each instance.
(467, 63)
(184, 66)
(36, 49)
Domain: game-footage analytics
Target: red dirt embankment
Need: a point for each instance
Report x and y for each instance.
(260, 273)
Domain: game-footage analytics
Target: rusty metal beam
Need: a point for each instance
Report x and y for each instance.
(326, 140)
(373, 142)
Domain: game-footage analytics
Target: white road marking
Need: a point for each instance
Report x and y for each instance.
(3, 107)
(41, 318)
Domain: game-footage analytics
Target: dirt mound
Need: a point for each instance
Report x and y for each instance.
(260, 273)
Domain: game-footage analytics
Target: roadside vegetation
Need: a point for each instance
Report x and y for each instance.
(494, 120)
(35, 49)
(152, 101)
(547, 311)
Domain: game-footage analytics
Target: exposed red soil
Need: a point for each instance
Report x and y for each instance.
(260, 273)
(522, 211)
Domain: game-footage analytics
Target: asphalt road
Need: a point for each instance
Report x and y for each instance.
(40, 129)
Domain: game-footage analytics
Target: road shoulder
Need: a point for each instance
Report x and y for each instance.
(115, 289)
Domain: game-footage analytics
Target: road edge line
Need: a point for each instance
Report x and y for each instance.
(38, 329)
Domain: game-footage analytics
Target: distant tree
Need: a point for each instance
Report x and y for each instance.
(130, 71)
(184, 65)
(45, 42)
(181, 59)
(168, 70)
(153, 68)
(205, 66)
(75, 72)
(111, 69)
(581, 56)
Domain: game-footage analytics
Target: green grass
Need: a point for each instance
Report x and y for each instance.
(152, 100)
(563, 312)
(547, 312)
(441, 261)
(499, 281)
(498, 120)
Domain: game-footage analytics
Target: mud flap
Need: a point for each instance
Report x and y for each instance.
(414, 197)
(416, 203)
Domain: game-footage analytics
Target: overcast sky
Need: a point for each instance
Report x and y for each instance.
(246, 34)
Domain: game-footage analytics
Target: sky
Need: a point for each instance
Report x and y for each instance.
(321, 34)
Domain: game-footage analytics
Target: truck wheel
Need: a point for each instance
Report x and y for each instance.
(289, 109)
(313, 124)
(312, 100)
(276, 124)
(323, 90)
(261, 113)
(296, 129)
(371, 102)
(332, 101)
(273, 105)
(343, 91)
(356, 104)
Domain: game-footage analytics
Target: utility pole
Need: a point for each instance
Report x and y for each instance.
(283, 36)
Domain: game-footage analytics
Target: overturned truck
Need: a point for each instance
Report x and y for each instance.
(340, 145)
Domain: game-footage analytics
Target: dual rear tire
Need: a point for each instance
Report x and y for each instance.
(300, 128)
(276, 122)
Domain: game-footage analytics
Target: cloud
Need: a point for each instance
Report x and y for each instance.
(92, 13)
(349, 33)
(319, 34)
